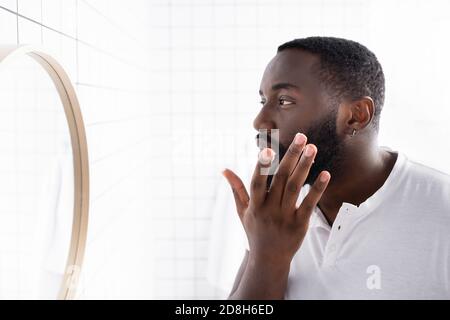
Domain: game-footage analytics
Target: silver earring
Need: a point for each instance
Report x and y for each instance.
(354, 132)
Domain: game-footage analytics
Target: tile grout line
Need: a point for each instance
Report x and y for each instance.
(100, 50)
(17, 22)
(42, 21)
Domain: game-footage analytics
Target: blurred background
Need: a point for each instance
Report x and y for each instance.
(169, 90)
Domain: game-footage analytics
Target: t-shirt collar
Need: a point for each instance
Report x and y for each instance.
(371, 203)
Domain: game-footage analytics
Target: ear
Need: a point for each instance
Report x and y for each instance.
(357, 114)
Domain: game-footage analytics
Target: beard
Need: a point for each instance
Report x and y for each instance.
(329, 155)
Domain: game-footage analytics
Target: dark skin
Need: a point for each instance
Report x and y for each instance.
(293, 99)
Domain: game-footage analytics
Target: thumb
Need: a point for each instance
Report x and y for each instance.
(240, 194)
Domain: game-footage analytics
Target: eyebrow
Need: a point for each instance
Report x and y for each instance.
(281, 85)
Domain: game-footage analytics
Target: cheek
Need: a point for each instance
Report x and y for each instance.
(290, 126)
(286, 138)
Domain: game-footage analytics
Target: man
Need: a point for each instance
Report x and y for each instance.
(342, 218)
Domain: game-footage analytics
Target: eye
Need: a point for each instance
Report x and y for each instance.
(285, 102)
(262, 102)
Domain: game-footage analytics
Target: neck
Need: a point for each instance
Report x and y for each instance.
(364, 170)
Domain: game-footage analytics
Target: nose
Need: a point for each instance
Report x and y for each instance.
(264, 120)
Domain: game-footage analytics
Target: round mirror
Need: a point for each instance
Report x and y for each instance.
(43, 178)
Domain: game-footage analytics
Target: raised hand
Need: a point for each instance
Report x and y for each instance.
(274, 225)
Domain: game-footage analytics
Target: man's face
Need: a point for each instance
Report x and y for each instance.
(293, 101)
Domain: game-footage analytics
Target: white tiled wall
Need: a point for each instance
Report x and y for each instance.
(152, 163)
(105, 49)
(168, 90)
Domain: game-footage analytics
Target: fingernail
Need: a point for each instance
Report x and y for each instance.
(299, 139)
(266, 156)
(309, 151)
(324, 177)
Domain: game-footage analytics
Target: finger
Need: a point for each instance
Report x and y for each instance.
(240, 194)
(258, 189)
(286, 167)
(312, 198)
(298, 177)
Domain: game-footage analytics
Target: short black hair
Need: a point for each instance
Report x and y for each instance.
(347, 69)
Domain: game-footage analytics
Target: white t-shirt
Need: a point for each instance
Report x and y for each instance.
(395, 245)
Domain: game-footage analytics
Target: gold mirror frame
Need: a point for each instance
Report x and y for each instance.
(77, 130)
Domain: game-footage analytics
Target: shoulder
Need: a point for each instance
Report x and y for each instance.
(425, 179)
(424, 189)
